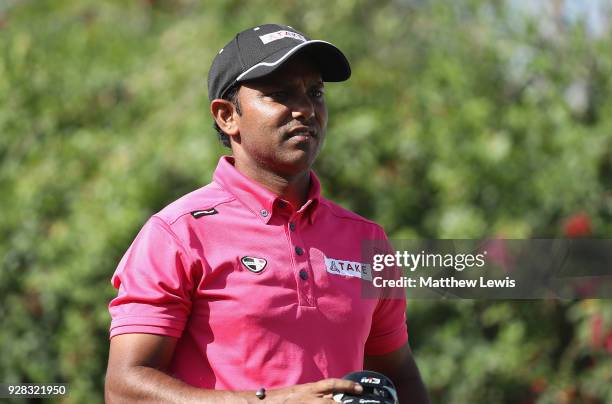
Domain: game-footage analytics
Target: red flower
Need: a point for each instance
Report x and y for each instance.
(577, 225)
(609, 342)
(586, 288)
(538, 385)
(497, 253)
(596, 331)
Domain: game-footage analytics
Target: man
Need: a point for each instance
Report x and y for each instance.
(228, 294)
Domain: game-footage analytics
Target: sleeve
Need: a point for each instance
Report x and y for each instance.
(154, 284)
(388, 331)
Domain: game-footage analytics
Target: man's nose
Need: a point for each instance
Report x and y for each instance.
(303, 107)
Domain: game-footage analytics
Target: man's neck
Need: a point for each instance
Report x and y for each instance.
(293, 189)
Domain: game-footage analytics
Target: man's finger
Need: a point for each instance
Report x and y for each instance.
(327, 386)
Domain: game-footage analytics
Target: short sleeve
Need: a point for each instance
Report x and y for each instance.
(388, 331)
(154, 284)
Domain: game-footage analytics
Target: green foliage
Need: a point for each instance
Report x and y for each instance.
(466, 119)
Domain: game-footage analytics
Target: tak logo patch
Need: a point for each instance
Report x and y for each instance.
(254, 264)
(349, 268)
(274, 36)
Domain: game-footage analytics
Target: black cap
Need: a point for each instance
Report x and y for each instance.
(259, 51)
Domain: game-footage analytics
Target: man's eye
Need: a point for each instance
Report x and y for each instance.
(318, 93)
(278, 95)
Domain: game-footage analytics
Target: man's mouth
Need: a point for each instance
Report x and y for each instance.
(303, 132)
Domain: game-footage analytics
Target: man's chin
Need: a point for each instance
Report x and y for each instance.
(297, 162)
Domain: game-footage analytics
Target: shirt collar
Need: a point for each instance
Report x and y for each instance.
(257, 198)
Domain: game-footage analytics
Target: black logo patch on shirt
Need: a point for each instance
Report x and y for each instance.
(206, 212)
(254, 264)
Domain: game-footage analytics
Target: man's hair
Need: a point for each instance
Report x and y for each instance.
(230, 95)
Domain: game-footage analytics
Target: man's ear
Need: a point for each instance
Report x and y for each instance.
(225, 114)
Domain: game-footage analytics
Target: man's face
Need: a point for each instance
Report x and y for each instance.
(283, 120)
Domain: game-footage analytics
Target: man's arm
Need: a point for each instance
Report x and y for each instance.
(136, 372)
(400, 367)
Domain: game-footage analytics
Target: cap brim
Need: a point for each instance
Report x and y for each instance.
(331, 61)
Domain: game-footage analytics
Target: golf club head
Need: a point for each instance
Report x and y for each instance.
(377, 389)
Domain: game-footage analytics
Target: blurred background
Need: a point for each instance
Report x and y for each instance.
(463, 119)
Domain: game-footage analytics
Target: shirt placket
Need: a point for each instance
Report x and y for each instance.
(301, 260)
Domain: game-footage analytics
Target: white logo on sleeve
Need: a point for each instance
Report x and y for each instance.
(349, 268)
(274, 36)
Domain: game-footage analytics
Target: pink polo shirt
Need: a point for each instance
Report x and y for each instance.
(251, 287)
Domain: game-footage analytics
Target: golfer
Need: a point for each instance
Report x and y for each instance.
(248, 290)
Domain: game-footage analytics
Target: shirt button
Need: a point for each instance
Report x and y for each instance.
(299, 250)
(303, 274)
(264, 213)
(292, 226)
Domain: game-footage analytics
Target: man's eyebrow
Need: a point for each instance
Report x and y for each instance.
(317, 83)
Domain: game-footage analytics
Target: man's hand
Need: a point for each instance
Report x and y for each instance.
(313, 393)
